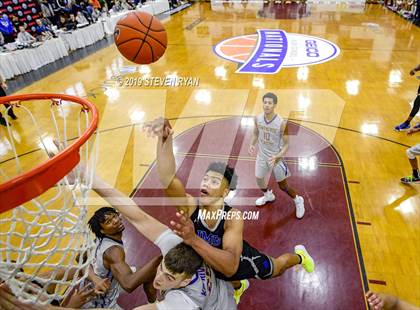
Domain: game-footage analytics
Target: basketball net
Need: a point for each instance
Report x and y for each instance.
(45, 244)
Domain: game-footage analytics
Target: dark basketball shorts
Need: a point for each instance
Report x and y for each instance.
(252, 265)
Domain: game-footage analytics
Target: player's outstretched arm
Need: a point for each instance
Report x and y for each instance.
(143, 222)
(166, 166)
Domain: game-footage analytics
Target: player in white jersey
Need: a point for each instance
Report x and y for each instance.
(271, 133)
(184, 281)
(109, 261)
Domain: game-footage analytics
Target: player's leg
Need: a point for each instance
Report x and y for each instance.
(288, 260)
(257, 265)
(262, 169)
(281, 173)
(240, 287)
(412, 154)
(416, 107)
(284, 186)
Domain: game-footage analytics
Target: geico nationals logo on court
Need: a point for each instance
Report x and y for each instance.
(267, 51)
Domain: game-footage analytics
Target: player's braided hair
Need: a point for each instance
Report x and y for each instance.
(99, 217)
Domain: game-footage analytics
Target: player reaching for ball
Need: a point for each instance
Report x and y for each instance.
(184, 281)
(271, 133)
(217, 239)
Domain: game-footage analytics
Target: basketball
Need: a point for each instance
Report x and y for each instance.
(140, 37)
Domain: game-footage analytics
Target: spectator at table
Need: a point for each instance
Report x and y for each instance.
(95, 4)
(116, 7)
(65, 6)
(81, 19)
(125, 5)
(62, 22)
(47, 10)
(24, 37)
(96, 14)
(86, 10)
(107, 3)
(6, 28)
(45, 21)
(105, 12)
(15, 22)
(71, 23)
(56, 10)
(43, 31)
(74, 7)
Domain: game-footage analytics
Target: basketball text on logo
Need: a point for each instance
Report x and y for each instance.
(269, 50)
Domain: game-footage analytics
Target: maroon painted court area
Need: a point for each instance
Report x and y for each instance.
(326, 229)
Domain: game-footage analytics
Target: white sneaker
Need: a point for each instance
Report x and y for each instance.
(300, 207)
(268, 196)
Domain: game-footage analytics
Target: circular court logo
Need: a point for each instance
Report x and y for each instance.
(267, 51)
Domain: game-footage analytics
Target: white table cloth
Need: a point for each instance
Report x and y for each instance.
(160, 6)
(147, 7)
(22, 61)
(83, 37)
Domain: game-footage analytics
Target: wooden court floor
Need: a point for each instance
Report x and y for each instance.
(353, 101)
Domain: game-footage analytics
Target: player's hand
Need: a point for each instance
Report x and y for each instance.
(184, 228)
(10, 301)
(375, 302)
(251, 149)
(272, 160)
(79, 297)
(4, 85)
(102, 286)
(159, 127)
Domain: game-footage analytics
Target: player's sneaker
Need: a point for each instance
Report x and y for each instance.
(417, 126)
(300, 206)
(307, 261)
(238, 293)
(410, 180)
(402, 127)
(268, 196)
